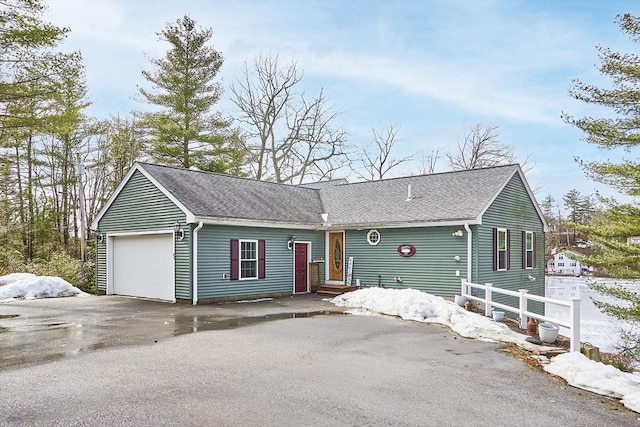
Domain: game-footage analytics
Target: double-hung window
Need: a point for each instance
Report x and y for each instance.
(248, 259)
(501, 249)
(529, 249)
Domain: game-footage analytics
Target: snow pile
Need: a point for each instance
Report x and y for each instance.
(29, 286)
(411, 304)
(581, 372)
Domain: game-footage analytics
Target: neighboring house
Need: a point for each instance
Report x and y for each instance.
(634, 240)
(176, 234)
(565, 263)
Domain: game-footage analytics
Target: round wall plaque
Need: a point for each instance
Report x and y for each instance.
(406, 250)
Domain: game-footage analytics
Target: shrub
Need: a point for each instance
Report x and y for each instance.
(59, 264)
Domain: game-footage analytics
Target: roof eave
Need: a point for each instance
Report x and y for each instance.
(406, 224)
(244, 222)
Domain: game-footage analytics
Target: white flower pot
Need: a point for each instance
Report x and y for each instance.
(498, 315)
(460, 300)
(548, 332)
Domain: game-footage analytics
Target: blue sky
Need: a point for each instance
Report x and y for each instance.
(434, 68)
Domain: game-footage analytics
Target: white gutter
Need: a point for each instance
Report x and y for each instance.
(195, 262)
(469, 250)
(336, 227)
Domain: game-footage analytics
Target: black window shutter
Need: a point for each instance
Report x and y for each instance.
(235, 253)
(262, 272)
(524, 249)
(508, 254)
(495, 249)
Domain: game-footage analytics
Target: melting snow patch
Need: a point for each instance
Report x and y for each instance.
(411, 304)
(253, 300)
(29, 286)
(581, 372)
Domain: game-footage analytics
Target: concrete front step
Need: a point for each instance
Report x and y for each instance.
(333, 290)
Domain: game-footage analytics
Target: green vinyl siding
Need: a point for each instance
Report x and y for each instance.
(514, 210)
(431, 269)
(214, 260)
(142, 207)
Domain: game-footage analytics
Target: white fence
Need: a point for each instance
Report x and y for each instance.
(573, 305)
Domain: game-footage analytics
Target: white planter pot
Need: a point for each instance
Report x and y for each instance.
(460, 300)
(548, 332)
(498, 315)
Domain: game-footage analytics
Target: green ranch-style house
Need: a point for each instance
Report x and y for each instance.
(182, 235)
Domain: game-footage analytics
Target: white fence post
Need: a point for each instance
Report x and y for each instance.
(574, 316)
(523, 307)
(487, 299)
(463, 288)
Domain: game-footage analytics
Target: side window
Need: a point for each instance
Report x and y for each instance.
(528, 249)
(501, 248)
(248, 260)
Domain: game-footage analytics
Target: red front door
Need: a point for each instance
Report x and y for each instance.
(300, 263)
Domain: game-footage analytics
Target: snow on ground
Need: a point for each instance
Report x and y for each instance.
(411, 304)
(581, 372)
(29, 286)
(253, 300)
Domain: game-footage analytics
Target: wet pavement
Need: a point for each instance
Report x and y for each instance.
(63, 327)
(286, 362)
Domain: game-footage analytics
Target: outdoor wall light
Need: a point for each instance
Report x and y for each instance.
(456, 258)
(100, 237)
(178, 231)
(291, 241)
(457, 233)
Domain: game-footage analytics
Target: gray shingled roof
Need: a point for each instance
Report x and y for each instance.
(212, 195)
(451, 196)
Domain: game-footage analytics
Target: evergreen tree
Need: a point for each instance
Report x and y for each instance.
(26, 42)
(182, 130)
(610, 229)
(580, 209)
(620, 130)
(623, 129)
(552, 237)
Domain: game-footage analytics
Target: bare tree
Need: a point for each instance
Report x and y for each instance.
(429, 161)
(377, 159)
(290, 136)
(481, 148)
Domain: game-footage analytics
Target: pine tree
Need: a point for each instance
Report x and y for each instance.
(182, 130)
(620, 130)
(611, 229)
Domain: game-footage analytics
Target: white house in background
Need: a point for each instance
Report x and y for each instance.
(635, 240)
(565, 263)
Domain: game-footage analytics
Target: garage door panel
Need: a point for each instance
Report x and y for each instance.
(143, 266)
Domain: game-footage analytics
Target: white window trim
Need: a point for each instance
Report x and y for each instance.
(369, 234)
(532, 250)
(240, 259)
(506, 252)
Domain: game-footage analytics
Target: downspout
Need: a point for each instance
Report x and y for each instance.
(469, 250)
(195, 262)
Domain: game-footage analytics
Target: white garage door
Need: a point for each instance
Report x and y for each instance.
(143, 266)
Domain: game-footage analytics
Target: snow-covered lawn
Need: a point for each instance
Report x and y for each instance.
(575, 368)
(29, 286)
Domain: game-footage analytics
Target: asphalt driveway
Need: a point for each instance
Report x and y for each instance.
(289, 361)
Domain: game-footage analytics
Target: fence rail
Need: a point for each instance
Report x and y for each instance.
(573, 305)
